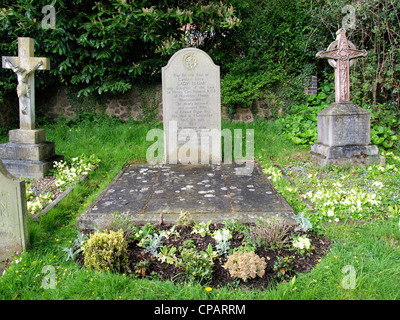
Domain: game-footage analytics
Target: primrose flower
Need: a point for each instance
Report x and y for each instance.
(302, 243)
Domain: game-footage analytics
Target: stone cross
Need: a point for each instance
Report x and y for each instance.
(340, 54)
(25, 66)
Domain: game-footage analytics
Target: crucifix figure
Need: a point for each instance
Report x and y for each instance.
(25, 66)
(340, 54)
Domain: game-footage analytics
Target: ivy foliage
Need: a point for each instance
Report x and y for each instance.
(107, 46)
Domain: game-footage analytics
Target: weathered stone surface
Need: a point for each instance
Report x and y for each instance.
(25, 65)
(30, 168)
(27, 154)
(208, 192)
(23, 151)
(27, 136)
(14, 233)
(191, 101)
(344, 124)
(361, 155)
(344, 129)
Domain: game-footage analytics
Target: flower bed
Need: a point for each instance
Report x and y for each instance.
(342, 193)
(253, 255)
(41, 193)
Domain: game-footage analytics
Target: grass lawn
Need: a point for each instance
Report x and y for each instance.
(364, 261)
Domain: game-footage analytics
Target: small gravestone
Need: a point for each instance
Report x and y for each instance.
(14, 234)
(191, 108)
(344, 129)
(28, 154)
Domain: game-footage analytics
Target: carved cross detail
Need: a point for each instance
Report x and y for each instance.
(340, 53)
(25, 66)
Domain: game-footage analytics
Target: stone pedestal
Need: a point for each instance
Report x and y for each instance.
(28, 154)
(344, 131)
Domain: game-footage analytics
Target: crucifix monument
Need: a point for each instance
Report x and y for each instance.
(344, 129)
(28, 153)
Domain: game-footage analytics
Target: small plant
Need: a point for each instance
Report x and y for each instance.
(271, 233)
(245, 265)
(120, 222)
(184, 218)
(235, 225)
(222, 238)
(302, 244)
(201, 228)
(106, 251)
(304, 224)
(283, 267)
(210, 254)
(68, 173)
(143, 232)
(197, 266)
(167, 255)
(152, 242)
(76, 247)
(36, 202)
(142, 267)
(244, 247)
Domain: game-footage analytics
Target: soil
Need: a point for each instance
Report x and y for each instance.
(154, 269)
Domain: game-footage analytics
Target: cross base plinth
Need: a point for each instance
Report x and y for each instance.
(342, 155)
(344, 137)
(28, 154)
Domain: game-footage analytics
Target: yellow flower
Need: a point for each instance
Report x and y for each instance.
(208, 289)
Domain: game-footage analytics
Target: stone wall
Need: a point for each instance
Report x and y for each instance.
(131, 104)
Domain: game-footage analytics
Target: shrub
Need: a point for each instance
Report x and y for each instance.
(106, 251)
(271, 233)
(245, 265)
(197, 266)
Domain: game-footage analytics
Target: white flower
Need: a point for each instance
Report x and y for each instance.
(302, 243)
(378, 184)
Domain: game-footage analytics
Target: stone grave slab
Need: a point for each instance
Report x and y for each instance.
(209, 192)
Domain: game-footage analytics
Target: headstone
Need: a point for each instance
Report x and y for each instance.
(191, 108)
(28, 153)
(14, 234)
(344, 129)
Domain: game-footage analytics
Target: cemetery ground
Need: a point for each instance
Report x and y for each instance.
(354, 210)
